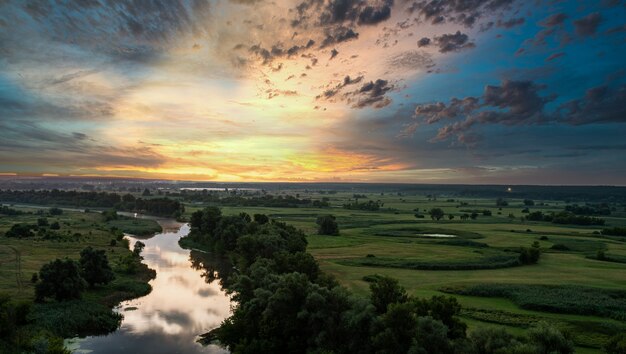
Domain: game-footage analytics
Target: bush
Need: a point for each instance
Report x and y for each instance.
(20, 231)
(578, 300)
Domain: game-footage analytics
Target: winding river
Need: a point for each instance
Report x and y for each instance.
(184, 302)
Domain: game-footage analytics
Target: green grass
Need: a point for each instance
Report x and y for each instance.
(135, 226)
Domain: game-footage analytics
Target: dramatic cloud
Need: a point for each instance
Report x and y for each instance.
(519, 103)
(313, 90)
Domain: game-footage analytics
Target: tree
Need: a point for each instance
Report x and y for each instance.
(95, 267)
(146, 193)
(531, 254)
(386, 291)
(436, 213)
(327, 225)
(55, 226)
(450, 217)
(19, 231)
(473, 215)
(529, 202)
(261, 219)
(138, 248)
(42, 222)
(61, 280)
(500, 202)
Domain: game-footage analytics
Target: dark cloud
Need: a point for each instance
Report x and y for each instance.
(423, 42)
(371, 15)
(331, 92)
(372, 94)
(124, 29)
(464, 12)
(434, 112)
(519, 103)
(600, 104)
(338, 34)
(363, 12)
(276, 51)
(319, 13)
(512, 103)
(588, 25)
(453, 42)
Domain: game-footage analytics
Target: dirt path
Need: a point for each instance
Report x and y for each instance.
(18, 268)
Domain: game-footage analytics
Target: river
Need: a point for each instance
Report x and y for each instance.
(184, 302)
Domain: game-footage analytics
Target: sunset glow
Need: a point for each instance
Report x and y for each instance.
(504, 92)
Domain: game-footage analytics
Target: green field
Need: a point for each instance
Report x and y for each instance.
(391, 242)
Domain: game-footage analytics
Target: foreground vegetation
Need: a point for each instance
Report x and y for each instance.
(93, 265)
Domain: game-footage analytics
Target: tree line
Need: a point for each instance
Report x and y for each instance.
(128, 202)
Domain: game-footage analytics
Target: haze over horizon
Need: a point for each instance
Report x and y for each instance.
(434, 91)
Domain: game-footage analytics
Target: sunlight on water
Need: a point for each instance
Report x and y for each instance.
(181, 306)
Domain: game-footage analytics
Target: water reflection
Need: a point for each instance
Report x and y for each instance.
(180, 307)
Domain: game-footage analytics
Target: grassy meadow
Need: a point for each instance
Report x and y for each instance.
(392, 241)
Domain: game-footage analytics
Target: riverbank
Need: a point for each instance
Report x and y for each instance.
(22, 258)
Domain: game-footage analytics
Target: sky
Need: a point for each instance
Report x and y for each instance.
(407, 91)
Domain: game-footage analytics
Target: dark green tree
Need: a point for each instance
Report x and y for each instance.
(138, 248)
(95, 267)
(386, 291)
(436, 213)
(261, 219)
(61, 280)
(327, 225)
